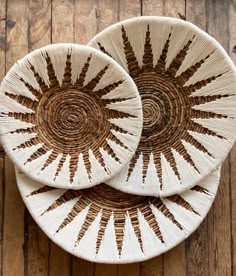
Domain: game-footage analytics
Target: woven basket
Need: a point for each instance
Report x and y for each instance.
(70, 116)
(101, 224)
(187, 85)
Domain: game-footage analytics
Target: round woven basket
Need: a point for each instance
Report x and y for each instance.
(70, 116)
(187, 85)
(101, 224)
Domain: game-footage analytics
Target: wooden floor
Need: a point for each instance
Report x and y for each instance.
(29, 24)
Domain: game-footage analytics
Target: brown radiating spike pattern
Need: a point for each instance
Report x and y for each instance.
(81, 78)
(150, 218)
(51, 73)
(107, 201)
(200, 189)
(28, 143)
(24, 117)
(132, 165)
(136, 227)
(157, 161)
(200, 84)
(113, 114)
(188, 138)
(106, 215)
(41, 190)
(158, 203)
(22, 100)
(119, 230)
(183, 203)
(170, 158)
(112, 154)
(61, 162)
(102, 48)
(76, 209)
(65, 197)
(146, 160)
(67, 74)
(205, 114)
(178, 60)
(104, 91)
(148, 56)
(200, 129)
(205, 99)
(50, 159)
(110, 101)
(187, 74)
(162, 59)
(38, 153)
(131, 59)
(25, 130)
(87, 163)
(91, 216)
(73, 166)
(93, 83)
(35, 92)
(117, 141)
(182, 151)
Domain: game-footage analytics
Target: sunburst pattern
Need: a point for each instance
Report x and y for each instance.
(187, 86)
(69, 116)
(105, 225)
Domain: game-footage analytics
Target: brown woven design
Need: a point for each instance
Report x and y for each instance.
(70, 117)
(104, 206)
(175, 99)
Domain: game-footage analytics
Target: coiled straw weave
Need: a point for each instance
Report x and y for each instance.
(70, 116)
(187, 84)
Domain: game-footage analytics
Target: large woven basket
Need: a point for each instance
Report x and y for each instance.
(101, 224)
(71, 117)
(187, 84)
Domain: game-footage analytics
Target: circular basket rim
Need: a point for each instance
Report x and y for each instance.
(165, 19)
(214, 190)
(82, 49)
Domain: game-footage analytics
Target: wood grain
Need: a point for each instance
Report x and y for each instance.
(196, 246)
(13, 229)
(219, 227)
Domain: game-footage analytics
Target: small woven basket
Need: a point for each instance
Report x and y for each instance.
(187, 85)
(70, 116)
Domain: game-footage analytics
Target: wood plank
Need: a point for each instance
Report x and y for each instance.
(80, 266)
(197, 245)
(62, 31)
(219, 228)
(129, 269)
(86, 17)
(174, 8)
(232, 52)
(13, 237)
(2, 73)
(106, 269)
(62, 21)
(37, 246)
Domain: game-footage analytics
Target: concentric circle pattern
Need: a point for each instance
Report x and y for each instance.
(101, 224)
(70, 116)
(187, 85)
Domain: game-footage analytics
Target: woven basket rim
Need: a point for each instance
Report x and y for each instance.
(101, 40)
(208, 203)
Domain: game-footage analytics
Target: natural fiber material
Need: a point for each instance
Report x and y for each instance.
(101, 224)
(70, 116)
(188, 88)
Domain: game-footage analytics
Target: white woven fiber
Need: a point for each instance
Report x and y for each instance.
(57, 107)
(101, 224)
(187, 85)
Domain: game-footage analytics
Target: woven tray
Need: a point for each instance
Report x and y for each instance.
(101, 224)
(187, 85)
(71, 117)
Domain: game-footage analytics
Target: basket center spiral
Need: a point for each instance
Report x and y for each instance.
(70, 119)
